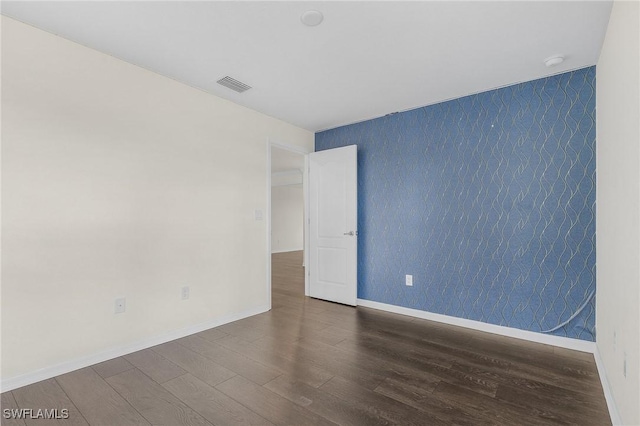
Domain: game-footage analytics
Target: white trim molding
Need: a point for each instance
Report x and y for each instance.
(290, 172)
(562, 342)
(287, 250)
(82, 362)
(606, 388)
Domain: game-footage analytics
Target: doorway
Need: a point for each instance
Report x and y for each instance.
(330, 200)
(286, 222)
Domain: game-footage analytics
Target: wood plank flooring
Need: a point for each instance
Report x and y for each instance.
(309, 362)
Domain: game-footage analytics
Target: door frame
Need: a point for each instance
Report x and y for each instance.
(272, 143)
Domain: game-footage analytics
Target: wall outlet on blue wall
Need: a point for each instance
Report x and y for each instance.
(408, 280)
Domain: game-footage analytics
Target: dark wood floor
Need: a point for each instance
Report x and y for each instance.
(313, 362)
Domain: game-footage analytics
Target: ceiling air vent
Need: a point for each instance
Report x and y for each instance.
(234, 84)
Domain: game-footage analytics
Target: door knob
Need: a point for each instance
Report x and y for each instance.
(350, 233)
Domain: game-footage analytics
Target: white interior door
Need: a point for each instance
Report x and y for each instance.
(333, 220)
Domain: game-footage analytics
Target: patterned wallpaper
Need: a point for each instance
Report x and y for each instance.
(487, 200)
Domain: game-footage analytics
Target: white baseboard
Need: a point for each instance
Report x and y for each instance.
(85, 361)
(606, 388)
(286, 250)
(563, 342)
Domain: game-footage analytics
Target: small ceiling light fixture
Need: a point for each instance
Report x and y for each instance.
(311, 18)
(554, 60)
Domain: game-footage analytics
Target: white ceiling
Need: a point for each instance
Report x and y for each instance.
(366, 59)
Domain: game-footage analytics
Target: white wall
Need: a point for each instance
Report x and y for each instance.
(618, 208)
(287, 218)
(118, 182)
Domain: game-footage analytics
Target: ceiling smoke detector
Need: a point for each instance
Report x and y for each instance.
(233, 84)
(554, 60)
(311, 18)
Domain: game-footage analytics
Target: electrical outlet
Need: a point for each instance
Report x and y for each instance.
(120, 306)
(184, 293)
(408, 280)
(258, 214)
(614, 340)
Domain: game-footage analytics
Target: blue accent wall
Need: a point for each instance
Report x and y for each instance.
(487, 200)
